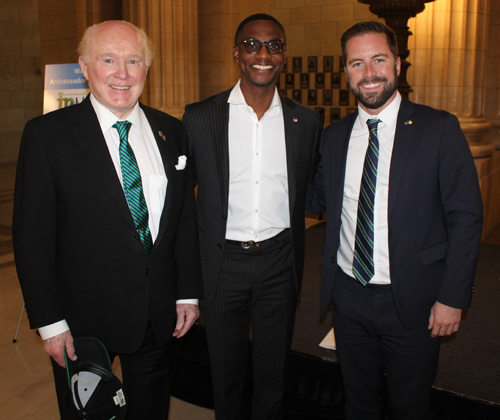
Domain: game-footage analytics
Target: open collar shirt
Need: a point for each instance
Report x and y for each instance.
(258, 206)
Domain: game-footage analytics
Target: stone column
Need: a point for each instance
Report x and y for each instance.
(449, 55)
(173, 79)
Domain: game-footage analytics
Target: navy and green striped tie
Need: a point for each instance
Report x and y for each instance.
(132, 185)
(363, 266)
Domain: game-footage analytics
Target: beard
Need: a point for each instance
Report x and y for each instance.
(375, 100)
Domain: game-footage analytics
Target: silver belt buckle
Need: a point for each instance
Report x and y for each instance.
(250, 244)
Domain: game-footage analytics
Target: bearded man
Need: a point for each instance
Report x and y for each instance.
(401, 190)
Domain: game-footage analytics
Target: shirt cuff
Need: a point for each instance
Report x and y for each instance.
(190, 301)
(54, 329)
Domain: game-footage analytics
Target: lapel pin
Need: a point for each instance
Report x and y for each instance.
(295, 120)
(162, 135)
(409, 122)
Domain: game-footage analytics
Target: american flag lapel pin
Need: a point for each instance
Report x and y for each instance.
(162, 135)
(295, 119)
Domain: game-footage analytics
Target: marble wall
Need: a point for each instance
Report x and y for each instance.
(454, 52)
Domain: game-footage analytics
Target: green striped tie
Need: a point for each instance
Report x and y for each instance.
(132, 185)
(363, 265)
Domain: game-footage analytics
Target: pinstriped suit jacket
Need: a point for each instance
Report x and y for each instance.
(207, 125)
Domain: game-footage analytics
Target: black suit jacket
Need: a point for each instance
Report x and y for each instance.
(77, 252)
(435, 210)
(207, 124)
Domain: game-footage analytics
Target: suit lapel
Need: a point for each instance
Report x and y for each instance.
(402, 141)
(93, 144)
(219, 118)
(169, 154)
(292, 140)
(340, 159)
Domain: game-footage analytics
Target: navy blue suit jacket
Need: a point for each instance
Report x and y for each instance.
(434, 210)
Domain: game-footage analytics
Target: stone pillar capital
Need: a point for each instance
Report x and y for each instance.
(475, 129)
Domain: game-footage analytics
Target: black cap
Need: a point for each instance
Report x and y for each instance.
(97, 394)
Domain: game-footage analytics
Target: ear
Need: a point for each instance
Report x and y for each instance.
(83, 66)
(398, 65)
(236, 54)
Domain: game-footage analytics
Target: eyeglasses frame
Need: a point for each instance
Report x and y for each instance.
(283, 44)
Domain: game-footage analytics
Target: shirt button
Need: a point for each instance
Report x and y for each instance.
(256, 210)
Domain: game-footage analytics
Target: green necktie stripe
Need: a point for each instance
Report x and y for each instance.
(132, 186)
(363, 263)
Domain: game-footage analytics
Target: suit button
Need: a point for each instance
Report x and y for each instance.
(147, 271)
(219, 246)
(333, 260)
(137, 238)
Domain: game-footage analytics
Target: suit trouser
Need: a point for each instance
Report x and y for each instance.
(145, 376)
(256, 288)
(371, 343)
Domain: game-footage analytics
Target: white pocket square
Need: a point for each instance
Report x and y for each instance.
(181, 164)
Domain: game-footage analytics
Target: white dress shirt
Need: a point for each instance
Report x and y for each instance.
(154, 179)
(354, 169)
(258, 206)
(143, 143)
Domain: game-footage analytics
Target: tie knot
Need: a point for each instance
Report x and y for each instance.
(373, 123)
(123, 128)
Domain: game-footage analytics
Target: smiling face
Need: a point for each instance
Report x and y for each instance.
(261, 69)
(116, 67)
(372, 71)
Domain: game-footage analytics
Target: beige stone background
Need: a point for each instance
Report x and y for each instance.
(454, 52)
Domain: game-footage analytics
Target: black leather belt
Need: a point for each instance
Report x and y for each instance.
(253, 244)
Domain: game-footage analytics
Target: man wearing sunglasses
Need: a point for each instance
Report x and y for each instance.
(252, 153)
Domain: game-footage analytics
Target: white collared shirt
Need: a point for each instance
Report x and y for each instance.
(258, 207)
(143, 143)
(358, 144)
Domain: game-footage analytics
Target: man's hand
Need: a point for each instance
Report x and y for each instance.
(444, 320)
(56, 345)
(186, 315)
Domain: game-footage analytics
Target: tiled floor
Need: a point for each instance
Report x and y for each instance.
(26, 384)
